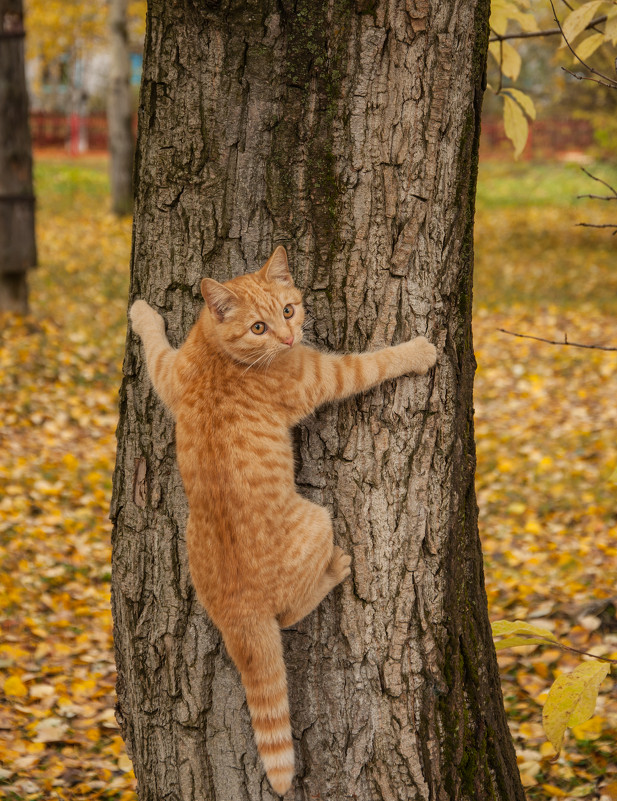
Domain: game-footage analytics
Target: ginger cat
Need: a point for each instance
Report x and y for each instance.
(261, 557)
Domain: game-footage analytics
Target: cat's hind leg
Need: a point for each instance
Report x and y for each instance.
(337, 570)
(313, 566)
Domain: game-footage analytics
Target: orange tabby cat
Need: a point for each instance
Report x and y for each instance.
(261, 556)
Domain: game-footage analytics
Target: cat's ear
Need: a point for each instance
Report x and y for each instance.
(277, 268)
(219, 298)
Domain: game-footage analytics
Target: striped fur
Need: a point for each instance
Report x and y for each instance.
(261, 556)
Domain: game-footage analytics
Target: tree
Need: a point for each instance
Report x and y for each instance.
(64, 40)
(347, 132)
(119, 111)
(17, 237)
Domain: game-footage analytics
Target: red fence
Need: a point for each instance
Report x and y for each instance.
(547, 138)
(75, 134)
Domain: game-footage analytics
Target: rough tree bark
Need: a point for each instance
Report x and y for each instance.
(17, 236)
(347, 131)
(119, 114)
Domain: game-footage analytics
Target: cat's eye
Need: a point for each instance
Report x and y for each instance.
(258, 328)
(288, 311)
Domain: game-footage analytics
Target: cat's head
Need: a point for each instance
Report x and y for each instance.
(257, 316)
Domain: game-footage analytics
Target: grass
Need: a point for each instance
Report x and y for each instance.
(69, 186)
(530, 252)
(509, 184)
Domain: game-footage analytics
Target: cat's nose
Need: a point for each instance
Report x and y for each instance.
(288, 341)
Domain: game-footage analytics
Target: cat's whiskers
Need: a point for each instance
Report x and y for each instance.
(272, 353)
(264, 355)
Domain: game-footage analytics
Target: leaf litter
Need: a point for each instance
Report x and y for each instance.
(546, 481)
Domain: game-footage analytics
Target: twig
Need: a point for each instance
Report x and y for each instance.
(598, 197)
(596, 225)
(600, 181)
(548, 32)
(587, 78)
(565, 647)
(556, 342)
(612, 83)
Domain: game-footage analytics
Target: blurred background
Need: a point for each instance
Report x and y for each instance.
(545, 414)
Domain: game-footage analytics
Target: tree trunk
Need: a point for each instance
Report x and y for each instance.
(347, 131)
(17, 237)
(119, 114)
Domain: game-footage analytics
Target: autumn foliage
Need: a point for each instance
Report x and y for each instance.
(547, 475)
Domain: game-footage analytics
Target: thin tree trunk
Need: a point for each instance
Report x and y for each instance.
(17, 236)
(119, 114)
(348, 132)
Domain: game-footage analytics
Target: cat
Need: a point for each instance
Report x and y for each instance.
(261, 556)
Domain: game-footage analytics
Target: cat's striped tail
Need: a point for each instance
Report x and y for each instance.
(160, 356)
(258, 654)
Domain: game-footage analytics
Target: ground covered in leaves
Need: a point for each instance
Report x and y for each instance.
(547, 475)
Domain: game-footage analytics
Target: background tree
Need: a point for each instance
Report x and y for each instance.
(120, 111)
(349, 133)
(17, 238)
(64, 40)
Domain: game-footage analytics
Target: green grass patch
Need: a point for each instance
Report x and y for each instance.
(64, 185)
(511, 184)
(530, 250)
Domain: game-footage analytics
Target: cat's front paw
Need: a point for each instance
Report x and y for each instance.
(144, 317)
(340, 564)
(422, 355)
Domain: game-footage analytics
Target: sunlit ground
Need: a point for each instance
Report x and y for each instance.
(547, 474)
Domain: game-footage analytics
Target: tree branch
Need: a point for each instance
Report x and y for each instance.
(565, 336)
(548, 32)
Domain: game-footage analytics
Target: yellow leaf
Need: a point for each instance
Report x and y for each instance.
(589, 46)
(610, 29)
(590, 730)
(547, 750)
(513, 642)
(15, 686)
(572, 699)
(515, 124)
(124, 763)
(523, 100)
(551, 789)
(528, 780)
(579, 19)
(507, 57)
(508, 627)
